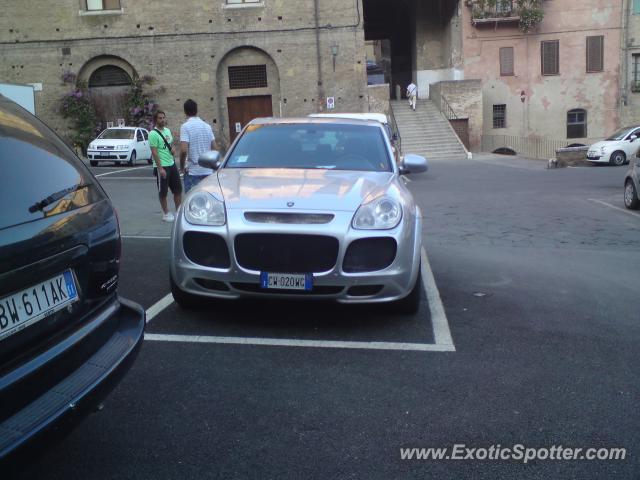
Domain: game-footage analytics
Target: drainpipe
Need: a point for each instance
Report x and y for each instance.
(625, 61)
(318, 55)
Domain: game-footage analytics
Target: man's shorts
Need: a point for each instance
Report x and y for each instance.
(171, 181)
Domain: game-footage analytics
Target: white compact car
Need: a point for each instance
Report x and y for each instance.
(616, 149)
(120, 144)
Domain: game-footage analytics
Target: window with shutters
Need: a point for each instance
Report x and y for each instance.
(595, 54)
(500, 116)
(506, 61)
(248, 76)
(99, 5)
(550, 52)
(577, 123)
(636, 7)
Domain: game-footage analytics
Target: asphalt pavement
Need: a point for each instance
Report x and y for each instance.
(539, 275)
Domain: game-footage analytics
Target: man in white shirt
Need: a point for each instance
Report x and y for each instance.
(412, 95)
(196, 138)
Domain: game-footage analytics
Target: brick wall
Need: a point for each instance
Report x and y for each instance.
(188, 49)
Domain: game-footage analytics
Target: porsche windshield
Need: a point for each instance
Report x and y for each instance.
(312, 145)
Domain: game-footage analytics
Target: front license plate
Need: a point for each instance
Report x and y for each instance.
(286, 281)
(24, 308)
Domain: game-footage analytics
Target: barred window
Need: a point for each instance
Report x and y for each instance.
(93, 5)
(109, 76)
(248, 76)
(500, 116)
(506, 61)
(595, 54)
(577, 123)
(550, 52)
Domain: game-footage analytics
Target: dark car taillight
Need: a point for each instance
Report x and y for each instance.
(118, 239)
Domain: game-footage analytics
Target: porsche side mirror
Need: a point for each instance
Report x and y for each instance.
(413, 164)
(210, 159)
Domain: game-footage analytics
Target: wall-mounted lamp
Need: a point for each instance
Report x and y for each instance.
(334, 54)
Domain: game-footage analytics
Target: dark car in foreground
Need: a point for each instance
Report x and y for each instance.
(65, 335)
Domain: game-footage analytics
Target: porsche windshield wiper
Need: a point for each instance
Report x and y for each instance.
(54, 197)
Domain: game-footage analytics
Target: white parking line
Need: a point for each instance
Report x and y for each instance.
(276, 342)
(439, 322)
(121, 171)
(150, 177)
(620, 209)
(159, 306)
(441, 331)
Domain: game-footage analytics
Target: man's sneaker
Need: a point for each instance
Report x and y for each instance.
(168, 217)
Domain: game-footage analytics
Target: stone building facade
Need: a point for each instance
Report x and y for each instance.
(560, 81)
(233, 57)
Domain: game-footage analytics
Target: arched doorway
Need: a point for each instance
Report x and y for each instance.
(248, 87)
(391, 22)
(109, 80)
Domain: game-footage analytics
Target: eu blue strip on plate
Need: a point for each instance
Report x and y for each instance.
(71, 289)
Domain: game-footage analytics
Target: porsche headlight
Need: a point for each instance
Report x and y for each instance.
(204, 209)
(382, 213)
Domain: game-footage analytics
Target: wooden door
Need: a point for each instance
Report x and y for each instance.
(244, 109)
(110, 103)
(461, 127)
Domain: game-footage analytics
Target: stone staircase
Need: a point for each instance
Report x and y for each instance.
(426, 131)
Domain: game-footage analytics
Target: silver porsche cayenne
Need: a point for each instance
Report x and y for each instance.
(302, 208)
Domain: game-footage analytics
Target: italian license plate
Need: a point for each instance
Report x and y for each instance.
(24, 308)
(104, 154)
(286, 281)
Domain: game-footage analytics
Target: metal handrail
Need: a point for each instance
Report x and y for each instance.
(396, 131)
(442, 104)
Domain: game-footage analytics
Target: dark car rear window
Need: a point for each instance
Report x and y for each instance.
(39, 175)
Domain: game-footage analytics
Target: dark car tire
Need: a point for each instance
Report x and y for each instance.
(184, 299)
(631, 195)
(149, 161)
(132, 159)
(93, 163)
(410, 304)
(618, 158)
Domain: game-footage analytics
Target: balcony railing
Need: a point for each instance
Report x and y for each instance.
(490, 11)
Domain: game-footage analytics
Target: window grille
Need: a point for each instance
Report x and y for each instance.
(248, 76)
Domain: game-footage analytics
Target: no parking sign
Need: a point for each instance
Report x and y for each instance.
(331, 103)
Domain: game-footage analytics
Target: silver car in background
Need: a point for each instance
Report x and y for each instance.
(302, 208)
(632, 184)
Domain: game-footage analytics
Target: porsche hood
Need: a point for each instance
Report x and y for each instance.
(300, 189)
